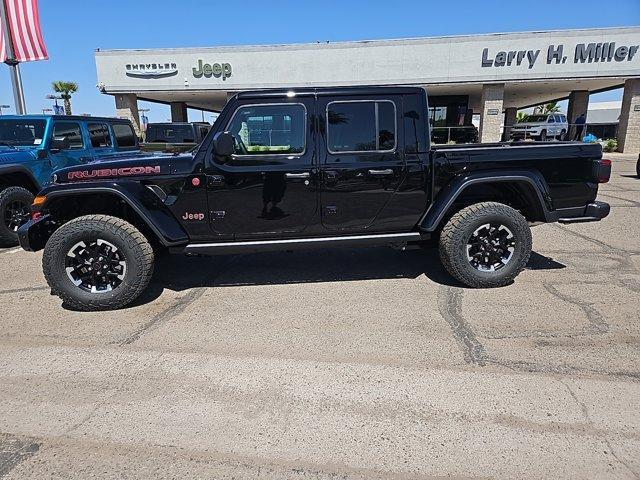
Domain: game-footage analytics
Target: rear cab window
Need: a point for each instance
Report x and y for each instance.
(72, 131)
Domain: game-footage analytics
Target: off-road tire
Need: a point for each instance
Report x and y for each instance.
(137, 251)
(459, 229)
(8, 237)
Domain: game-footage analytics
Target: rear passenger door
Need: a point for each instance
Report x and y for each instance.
(361, 163)
(101, 141)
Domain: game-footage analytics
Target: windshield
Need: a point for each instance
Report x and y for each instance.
(536, 118)
(170, 133)
(21, 133)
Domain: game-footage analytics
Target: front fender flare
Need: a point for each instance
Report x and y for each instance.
(432, 218)
(143, 201)
(18, 168)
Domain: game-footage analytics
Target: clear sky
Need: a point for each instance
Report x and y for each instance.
(74, 28)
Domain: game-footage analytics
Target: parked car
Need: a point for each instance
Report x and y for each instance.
(174, 137)
(325, 167)
(33, 146)
(541, 127)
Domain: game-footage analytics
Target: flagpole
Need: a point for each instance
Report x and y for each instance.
(14, 65)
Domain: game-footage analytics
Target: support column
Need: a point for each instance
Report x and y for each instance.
(127, 107)
(490, 112)
(578, 105)
(629, 127)
(178, 112)
(510, 115)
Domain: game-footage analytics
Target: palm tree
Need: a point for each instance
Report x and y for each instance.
(521, 117)
(65, 89)
(551, 107)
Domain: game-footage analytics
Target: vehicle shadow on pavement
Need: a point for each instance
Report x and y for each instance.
(179, 273)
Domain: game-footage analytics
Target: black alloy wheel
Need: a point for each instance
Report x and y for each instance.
(16, 214)
(95, 267)
(490, 247)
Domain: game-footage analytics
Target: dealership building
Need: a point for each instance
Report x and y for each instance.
(484, 77)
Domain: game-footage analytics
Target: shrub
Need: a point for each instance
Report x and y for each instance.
(610, 145)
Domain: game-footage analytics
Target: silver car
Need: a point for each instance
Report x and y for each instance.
(541, 127)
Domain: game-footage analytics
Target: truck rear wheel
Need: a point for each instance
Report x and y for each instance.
(485, 245)
(15, 210)
(97, 262)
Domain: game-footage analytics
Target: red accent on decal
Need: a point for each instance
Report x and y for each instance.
(195, 182)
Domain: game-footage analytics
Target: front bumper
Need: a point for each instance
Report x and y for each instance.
(591, 213)
(34, 234)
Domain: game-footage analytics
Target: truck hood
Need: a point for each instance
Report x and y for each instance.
(528, 124)
(17, 155)
(134, 167)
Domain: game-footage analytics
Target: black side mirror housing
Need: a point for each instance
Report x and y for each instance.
(223, 144)
(59, 143)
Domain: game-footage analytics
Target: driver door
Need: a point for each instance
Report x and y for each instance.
(268, 188)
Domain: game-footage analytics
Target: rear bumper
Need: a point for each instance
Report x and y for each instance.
(591, 213)
(34, 234)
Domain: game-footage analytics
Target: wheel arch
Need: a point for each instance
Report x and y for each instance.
(524, 191)
(141, 208)
(18, 176)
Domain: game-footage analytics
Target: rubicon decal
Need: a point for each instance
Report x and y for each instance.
(113, 172)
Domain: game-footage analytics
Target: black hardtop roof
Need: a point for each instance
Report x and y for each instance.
(359, 90)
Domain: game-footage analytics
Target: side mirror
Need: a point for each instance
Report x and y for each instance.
(59, 143)
(223, 144)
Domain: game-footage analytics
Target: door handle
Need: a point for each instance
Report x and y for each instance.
(85, 159)
(297, 175)
(386, 171)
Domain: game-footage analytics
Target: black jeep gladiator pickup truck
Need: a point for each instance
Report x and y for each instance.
(312, 167)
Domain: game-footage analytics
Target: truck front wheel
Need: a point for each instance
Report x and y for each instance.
(97, 262)
(485, 245)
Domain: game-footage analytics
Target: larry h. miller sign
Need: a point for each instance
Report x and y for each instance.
(555, 54)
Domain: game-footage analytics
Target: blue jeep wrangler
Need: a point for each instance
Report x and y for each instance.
(33, 146)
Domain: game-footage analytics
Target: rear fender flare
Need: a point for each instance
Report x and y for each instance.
(434, 215)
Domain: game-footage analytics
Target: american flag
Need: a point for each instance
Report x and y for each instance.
(26, 34)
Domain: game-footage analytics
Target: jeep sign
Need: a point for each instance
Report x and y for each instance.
(207, 70)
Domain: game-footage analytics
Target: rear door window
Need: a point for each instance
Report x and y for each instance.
(125, 138)
(99, 135)
(72, 131)
(361, 126)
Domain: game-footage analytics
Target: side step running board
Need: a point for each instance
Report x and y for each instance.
(225, 248)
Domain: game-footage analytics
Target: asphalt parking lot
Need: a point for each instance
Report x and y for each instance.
(349, 364)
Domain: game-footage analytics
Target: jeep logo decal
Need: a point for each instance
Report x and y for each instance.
(193, 216)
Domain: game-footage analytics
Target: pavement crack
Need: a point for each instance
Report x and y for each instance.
(23, 290)
(587, 418)
(450, 308)
(594, 317)
(165, 315)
